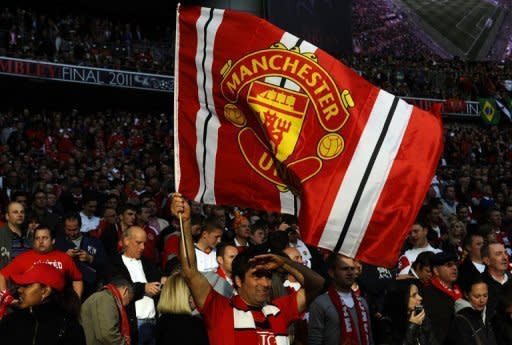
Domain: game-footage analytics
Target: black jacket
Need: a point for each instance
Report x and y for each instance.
(439, 307)
(180, 329)
(502, 326)
(495, 291)
(116, 268)
(470, 328)
(414, 334)
(45, 324)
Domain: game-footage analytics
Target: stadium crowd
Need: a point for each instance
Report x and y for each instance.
(76, 39)
(94, 200)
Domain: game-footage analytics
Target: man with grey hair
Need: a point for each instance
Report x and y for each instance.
(103, 314)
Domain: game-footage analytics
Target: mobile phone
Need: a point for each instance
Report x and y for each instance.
(418, 309)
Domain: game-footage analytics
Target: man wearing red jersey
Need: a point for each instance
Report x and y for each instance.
(42, 252)
(251, 317)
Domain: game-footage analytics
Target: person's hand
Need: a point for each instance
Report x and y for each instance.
(84, 256)
(152, 289)
(72, 252)
(267, 262)
(180, 205)
(417, 319)
(283, 226)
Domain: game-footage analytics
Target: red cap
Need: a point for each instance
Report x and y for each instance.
(43, 274)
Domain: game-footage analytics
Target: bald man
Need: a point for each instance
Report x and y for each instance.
(294, 254)
(146, 279)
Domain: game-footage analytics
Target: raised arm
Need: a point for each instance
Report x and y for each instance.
(197, 283)
(311, 282)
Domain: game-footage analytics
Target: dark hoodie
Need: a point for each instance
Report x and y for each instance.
(472, 326)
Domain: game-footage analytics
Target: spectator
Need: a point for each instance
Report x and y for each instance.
(13, 240)
(472, 266)
(421, 269)
(43, 252)
(221, 280)
(177, 323)
(242, 232)
(48, 311)
(471, 324)
(439, 297)
(89, 220)
(420, 244)
(205, 252)
(227, 320)
(408, 323)
(340, 306)
(87, 252)
(496, 274)
(104, 316)
(146, 279)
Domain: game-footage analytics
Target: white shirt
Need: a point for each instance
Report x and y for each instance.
(479, 267)
(89, 223)
(206, 262)
(347, 298)
(144, 307)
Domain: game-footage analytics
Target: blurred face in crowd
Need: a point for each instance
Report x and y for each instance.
(447, 273)
(424, 273)
(474, 247)
(110, 216)
(15, 215)
(495, 218)
(508, 213)
(294, 255)
(344, 273)
(220, 215)
(435, 215)
(143, 215)
(32, 295)
(478, 296)
(243, 230)
(226, 261)
(463, 214)
(134, 242)
(43, 241)
(51, 199)
(151, 204)
(418, 236)
(112, 202)
(498, 259)
(195, 207)
(127, 218)
(450, 193)
(258, 236)
(71, 229)
(90, 208)
(40, 200)
(22, 199)
(414, 298)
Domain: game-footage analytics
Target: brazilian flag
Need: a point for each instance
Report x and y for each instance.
(488, 111)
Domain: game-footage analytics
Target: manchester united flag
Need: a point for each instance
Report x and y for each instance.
(267, 120)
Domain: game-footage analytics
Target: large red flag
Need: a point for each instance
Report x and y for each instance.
(260, 113)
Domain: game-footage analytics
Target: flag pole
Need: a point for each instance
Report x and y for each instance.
(182, 235)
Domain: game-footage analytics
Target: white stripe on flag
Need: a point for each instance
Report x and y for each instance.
(177, 167)
(377, 179)
(289, 40)
(207, 122)
(355, 171)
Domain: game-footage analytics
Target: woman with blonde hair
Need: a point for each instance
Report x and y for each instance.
(177, 324)
(454, 242)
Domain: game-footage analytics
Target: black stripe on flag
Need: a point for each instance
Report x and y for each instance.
(366, 175)
(205, 130)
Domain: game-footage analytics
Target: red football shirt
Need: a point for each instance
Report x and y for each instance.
(232, 322)
(58, 259)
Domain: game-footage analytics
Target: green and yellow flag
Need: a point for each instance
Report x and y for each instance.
(488, 111)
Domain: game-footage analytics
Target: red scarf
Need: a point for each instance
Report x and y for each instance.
(454, 293)
(124, 323)
(348, 335)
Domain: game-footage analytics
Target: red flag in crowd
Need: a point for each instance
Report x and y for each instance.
(260, 113)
